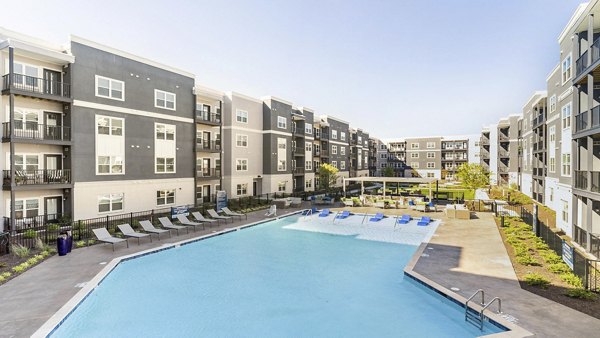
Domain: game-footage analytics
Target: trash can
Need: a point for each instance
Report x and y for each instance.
(69, 241)
(62, 245)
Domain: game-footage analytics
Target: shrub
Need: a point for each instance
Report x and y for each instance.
(2, 265)
(79, 244)
(527, 260)
(535, 279)
(30, 233)
(571, 279)
(558, 268)
(44, 254)
(550, 257)
(18, 269)
(6, 274)
(19, 250)
(32, 261)
(41, 246)
(53, 227)
(581, 294)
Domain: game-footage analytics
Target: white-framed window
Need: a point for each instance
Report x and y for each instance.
(342, 150)
(342, 165)
(430, 154)
(308, 165)
(384, 156)
(241, 164)
(430, 165)
(566, 116)
(165, 197)
(430, 145)
(308, 128)
(281, 122)
(342, 136)
(334, 134)
(565, 211)
(566, 164)
(109, 165)
(281, 165)
(414, 146)
(432, 175)
(241, 140)
(281, 186)
(552, 134)
(27, 162)
(27, 208)
(567, 67)
(164, 131)
(414, 155)
(552, 103)
(165, 165)
(109, 125)
(164, 100)
(308, 146)
(334, 164)
(31, 75)
(383, 165)
(282, 145)
(414, 164)
(308, 183)
(110, 202)
(333, 149)
(242, 189)
(241, 116)
(110, 88)
(552, 164)
(359, 139)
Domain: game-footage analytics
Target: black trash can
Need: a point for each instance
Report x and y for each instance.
(69, 241)
(62, 245)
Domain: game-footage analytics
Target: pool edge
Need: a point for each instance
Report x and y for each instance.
(514, 331)
(58, 318)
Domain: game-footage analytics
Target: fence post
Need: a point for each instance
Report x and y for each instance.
(107, 220)
(502, 220)
(536, 229)
(131, 218)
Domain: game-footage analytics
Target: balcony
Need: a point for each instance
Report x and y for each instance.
(324, 136)
(299, 151)
(37, 133)
(208, 146)
(503, 154)
(324, 153)
(539, 146)
(581, 179)
(299, 132)
(24, 85)
(539, 120)
(595, 175)
(485, 142)
(208, 173)
(38, 177)
(298, 171)
(581, 64)
(212, 119)
(503, 138)
(582, 122)
(539, 172)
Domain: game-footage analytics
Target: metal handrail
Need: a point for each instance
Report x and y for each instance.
(488, 305)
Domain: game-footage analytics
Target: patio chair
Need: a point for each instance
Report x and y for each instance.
(185, 221)
(324, 213)
(214, 215)
(309, 212)
(231, 213)
(378, 217)
(424, 221)
(148, 227)
(129, 232)
(104, 236)
(345, 214)
(198, 216)
(272, 211)
(167, 224)
(404, 219)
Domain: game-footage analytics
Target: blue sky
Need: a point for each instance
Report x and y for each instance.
(394, 68)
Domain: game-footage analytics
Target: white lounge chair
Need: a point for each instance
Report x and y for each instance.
(272, 211)
(148, 227)
(167, 224)
(198, 216)
(231, 213)
(185, 221)
(214, 215)
(104, 236)
(128, 231)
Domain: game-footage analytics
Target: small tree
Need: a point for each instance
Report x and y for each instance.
(388, 172)
(327, 176)
(473, 175)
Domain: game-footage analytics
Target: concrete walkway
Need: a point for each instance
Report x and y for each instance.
(470, 255)
(29, 300)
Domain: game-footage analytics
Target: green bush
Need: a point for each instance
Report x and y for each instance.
(527, 260)
(79, 244)
(30, 233)
(19, 268)
(53, 227)
(571, 279)
(550, 257)
(581, 294)
(2, 265)
(32, 261)
(535, 279)
(6, 274)
(19, 250)
(558, 268)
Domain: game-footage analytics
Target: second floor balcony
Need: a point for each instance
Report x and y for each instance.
(33, 132)
(298, 170)
(204, 117)
(587, 180)
(589, 119)
(37, 177)
(24, 85)
(208, 173)
(208, 146)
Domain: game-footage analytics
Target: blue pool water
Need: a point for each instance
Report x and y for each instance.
(268, 281)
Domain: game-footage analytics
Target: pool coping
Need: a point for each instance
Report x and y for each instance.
(59, 317)
(514, 331)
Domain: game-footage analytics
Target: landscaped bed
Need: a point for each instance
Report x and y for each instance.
(541, 271)
(22, 259)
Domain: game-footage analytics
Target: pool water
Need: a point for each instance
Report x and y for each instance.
(268, 281)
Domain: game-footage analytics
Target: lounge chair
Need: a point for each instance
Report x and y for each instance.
(185, 221)
(148, 227)
(231, 213)
(424, 221)
(309, 212)
(343, 215)
(404, 219)
(214, 215)
(198, 216)
(324, 213)
(104, 236)
(129, 232)
(167, 224)
(272, 211)
(378, 217)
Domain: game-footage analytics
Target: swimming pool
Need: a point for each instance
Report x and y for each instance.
(268, 280)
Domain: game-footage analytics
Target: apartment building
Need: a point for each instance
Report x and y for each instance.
(454, 153)
(532, 145)
(500, 150)
(378, 157)
(396, 157)
(359, 153)
(36, 113)
(302, 130)
(488, 153)
(332, 144)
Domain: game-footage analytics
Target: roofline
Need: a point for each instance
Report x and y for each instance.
(231, 94)
(573, 20)
(334, 118)
(553, 72)
(306, 108)
(201, 90)
(93, 44)
(542, 94)
(270, 97)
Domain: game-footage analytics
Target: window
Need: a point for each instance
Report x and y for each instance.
(165, 165)
(430, 155)
(359, 139)
(432, 175)
(241, 164)
(281, 145)
(566, 164)
(165, 197)
(241, 140)
(552, 134)
(27, 208)
(165, 131)
(566, 116)
(333, 149)
(109, 164)
(414, 146)
(281, 186)
(552, 103)
(552, 164)
(164, 100)
(110, 202)
(342, 150)
(242, 189)
(382, 147)
(565, 211)
(308, 146)
(110, 88)
(281, 122)
(430, 145)
(342, 165)
(383, 165)
(334, 164)
(384, 156)
(109, 126)
(308, 184)
(241, 116)
(334, 134)
(566, 66)
(29, 162)
(281, 165)
(414, 164)
(31, 75)
(342, 136)
(308, 128)
(308, 165)
(430, 165)
(414, 155)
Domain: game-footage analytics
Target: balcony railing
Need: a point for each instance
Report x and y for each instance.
(539, 120)
(208, 146)
(581, 64)
(485, 142)
(38, 177)
(205, 117)
(595, 175)
(208, 173)
(503, 154)
(595, 117)
(503, 137)
(581, 179)
(34, 131)
(299, 151)
(298, 131)
(325, 153)
(298, 170)
(36, 85)
(581, 121)
(539, 171)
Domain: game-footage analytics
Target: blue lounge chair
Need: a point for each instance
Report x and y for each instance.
(404, 219)
(378, 217)
(424, 221)
(324, 213)
(411, 203)
(343, 215)
(310, 211)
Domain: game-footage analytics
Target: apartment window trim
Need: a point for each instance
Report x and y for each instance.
(165, 165)
(110, 88)
(430, 165)
(239, 140)
(241, 116)
(333, 149)
(565, 164)
(430, 154)
(566, 115)
(241, 164)
(164, 195)
(281, 122)
(111, 201)
(241, 189)
(166, 99)
(430, 145)
(414, 146)
(568, 69)
(169, 129)
(552, 103)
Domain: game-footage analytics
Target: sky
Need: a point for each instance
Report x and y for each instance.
(393, 68)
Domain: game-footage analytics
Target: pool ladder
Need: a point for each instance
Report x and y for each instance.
(477, 318)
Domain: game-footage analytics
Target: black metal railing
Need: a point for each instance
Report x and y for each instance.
(208, 173)
(581, 64)
(35, 131)
(212, 118)
(298, 170)
(503, 137)
(36, 85)
(581, 122)
(299, 151)
(595, 182)
(325, 153)
(581, 179)
(298, 131)
(324, 136)
(208, 145)
(39, 176)
(595, 116)
(595, 50)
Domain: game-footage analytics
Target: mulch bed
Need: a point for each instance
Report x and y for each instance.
(8, 261)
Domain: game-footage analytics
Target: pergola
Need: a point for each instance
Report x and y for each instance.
(384, 180)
